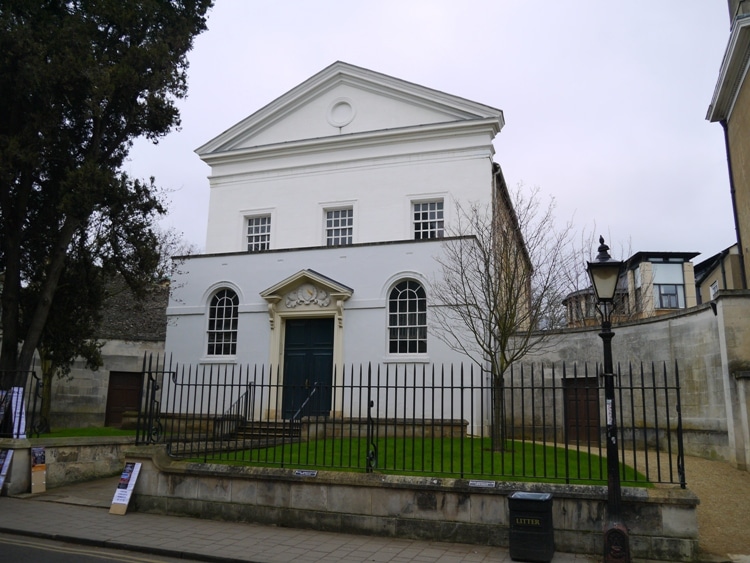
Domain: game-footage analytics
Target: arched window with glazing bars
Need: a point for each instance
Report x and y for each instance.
(223, 319)
(407, 318)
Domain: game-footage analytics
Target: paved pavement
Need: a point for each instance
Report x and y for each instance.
(80, 514)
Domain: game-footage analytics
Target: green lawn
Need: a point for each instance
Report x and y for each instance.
(468, 458)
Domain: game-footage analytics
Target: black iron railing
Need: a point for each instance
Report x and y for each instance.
(149, 429)
(420, 419)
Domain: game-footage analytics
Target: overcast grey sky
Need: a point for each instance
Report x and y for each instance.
(604, 102)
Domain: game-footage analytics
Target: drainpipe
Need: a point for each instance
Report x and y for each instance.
(732, 191)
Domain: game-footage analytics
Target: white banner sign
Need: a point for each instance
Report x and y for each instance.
(125, 488)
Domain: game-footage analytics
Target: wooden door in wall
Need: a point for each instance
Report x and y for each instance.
(123, 395)
(308, 367)
(582, 425)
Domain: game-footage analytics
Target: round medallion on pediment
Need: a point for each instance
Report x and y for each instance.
(341, 112)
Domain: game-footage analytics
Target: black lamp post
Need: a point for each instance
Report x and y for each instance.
(605, 273)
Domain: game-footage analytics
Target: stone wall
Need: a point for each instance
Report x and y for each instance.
(739, 153)
(131, 327)
(68, 460)
(735, 356)
(80, 400)
(691, 339)
(710, 345)
(72, 460)
(662, 521)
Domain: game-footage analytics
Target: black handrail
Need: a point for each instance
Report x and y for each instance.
(298, 414)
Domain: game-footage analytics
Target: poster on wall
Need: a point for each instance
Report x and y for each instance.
(13, 412)
(19, 413)
(125, 487)
(5, 458)
(38, 470)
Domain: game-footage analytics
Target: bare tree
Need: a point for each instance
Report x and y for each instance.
(580, 300)
(501, 288)
(173, 248)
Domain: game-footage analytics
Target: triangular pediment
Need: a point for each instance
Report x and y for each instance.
(344, 99)
(307, 287)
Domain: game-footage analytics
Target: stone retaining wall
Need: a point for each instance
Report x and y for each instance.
(72, 460)
(662, 521)
(68, 460)
(710, 344)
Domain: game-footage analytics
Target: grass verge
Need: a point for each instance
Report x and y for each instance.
(467, 458)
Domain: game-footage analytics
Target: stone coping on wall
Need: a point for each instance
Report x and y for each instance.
(662, 520)
(82, 441)
(21, 443)
(68, 460)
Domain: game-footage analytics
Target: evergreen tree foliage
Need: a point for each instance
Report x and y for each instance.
(79, 81)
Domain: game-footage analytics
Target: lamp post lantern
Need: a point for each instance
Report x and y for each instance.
(605, 273)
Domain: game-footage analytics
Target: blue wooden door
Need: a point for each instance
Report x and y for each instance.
(308, 367)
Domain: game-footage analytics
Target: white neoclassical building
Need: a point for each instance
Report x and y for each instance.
(326, 213)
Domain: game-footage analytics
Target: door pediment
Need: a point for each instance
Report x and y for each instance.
(304, 292)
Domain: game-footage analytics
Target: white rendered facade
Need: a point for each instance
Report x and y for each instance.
(347, 137)
(316, 193)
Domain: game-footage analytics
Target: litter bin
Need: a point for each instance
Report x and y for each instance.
(531, 534)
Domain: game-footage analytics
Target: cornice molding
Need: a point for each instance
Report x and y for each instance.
(336, 145)
(734, 69)
(283, 167)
